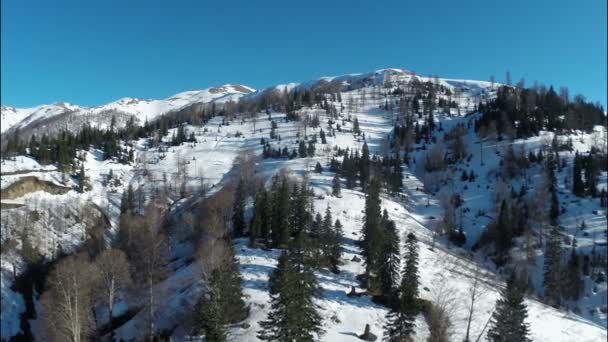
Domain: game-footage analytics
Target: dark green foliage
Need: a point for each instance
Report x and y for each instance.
(388, 272)
(508, 322)
(356, 128)
(552, 267)
(372, 238)
(238, 210)
(209, 312)
(260, 226)
(364, 167)
(329, 241)
(82, 180)
(400, 319)
(223, 303)
(318, 168)
(336, 189)
(281, 228)
(503, 232)
(571, 277)
(536, 109)
(293, 316)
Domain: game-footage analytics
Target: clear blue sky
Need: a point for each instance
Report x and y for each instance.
(92, 52)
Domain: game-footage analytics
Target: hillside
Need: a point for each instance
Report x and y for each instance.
(352, 111)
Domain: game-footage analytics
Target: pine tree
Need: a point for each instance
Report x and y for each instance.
(335, 246)
(372, 230)
(82, 183)
(336, 189)
(280, 223)
(390, 260)
(233, 305)
(552, 267)
(209, 313)
(356, 129)
(578, 187)
(364, 167)
(503, 232)
(238, 210)
(293, 316)
(318, 168)
(223, 303)
(400, 319)
(508, 320)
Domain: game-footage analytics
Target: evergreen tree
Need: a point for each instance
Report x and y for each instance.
(336, 189)
(572, 283)
(82, 183)
(318, 168)
(400, 319)
(293, 316)
(503, 232)
(238, 210)
(356, 129)
(390, 260)
(364, 167)
(508, 322)
(223, 303)
(322, 135)
(372, 230)
(578, 187)
(280, 223)
(552, 267)
(208, 312)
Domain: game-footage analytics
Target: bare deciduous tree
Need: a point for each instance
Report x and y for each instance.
(441, 311)
(114, 275)
(68, 301)
(475, 292)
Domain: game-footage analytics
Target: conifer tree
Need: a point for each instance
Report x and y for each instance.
(209, 311)
(336, 189)
(364, 167)
(280, 223)
(552, 267)
(238, 210)
(400, 319)
(223, 303)
(508, 323)
(81, 180)
(356, 129)
(503, 232)
(578, 187)
(294, 316)
(390, 260)
(372, 230)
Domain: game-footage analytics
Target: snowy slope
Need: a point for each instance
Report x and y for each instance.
(20, 117)
(142, 109)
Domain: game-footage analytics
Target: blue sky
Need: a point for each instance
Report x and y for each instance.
(93, 52)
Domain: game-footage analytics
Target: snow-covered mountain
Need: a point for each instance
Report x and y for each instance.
(141, 109)
(51, 206)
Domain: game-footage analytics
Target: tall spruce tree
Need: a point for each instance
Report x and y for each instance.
(364, 167)
(400, 319)
(238, 210)
(552, 267)
(508, 323)
(390, 261)
(294, 315)
(208, 311)
(578, 187)
(223, 303)
(336, 189)
(372, 231)
(280, 223)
